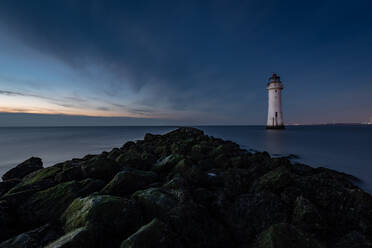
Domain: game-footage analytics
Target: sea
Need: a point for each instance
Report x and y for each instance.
(346, 148)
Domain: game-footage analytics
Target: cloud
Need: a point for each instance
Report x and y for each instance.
(129, 44)
(10, 93)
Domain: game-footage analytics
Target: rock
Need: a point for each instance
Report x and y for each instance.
(114, 154)
(9, 225)
(7, 185)
(38, 180)
(129, 181)
(128, 145)
(252, 213)
(105, 216)
(182, 167)
(184, 133)
(71, 170)
(47, 205)
(155, 201)
(80, 237)
(100, 168)
(274, 181)
(285, 236)
(134, 158)
(197, 227)
(153, 234)
(20, 171)
(151, 137)
(347, 208)
(167, 163)
(36, 238)
(175, 183)
(237, 181)
(307, 217)
(353, 239)
(202, 192)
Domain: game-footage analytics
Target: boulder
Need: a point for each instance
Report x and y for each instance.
(71, 170)
(196, 226)
(47, 205)
(37, 180)
(9, 225)
(36, 238)
(100, 168)
(80, 237)
(20, 171)
(167, 163)
(134, 158)
(155, 201)
(114, 154)
(184, 133)
(250, 214)
(128, 181)
(307, 217)
(109, 218)
(7, 185)
(283, 235)
(353, 239)
(274, 180)
(153, 234)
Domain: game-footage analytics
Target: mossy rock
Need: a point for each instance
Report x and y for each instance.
(107, 216)
(284, 235)
(38, 180)
(100, 168)
(222, 161)
(182, 167)
(167, 163)
(155, 201)
(5, 186)
(175, 183)
(153, 234)
(250, 214)
(197, 152)
(114, 154)
(128, 181)
(20, 171)
(38, 237)
(86, 211)
(307, 216)
(80, 237)
(161, 150)
(9, 225)
(49, 204)
(274, 180)
(69, 174)
(134, 158)
(197, 227)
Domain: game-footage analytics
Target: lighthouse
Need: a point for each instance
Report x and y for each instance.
(275, 113)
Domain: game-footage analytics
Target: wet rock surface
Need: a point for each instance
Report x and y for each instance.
(182, 189)
(23, 169)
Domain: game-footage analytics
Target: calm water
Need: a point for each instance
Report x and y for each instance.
(344, 148)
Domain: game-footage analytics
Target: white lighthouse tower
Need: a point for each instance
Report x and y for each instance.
(275, 114)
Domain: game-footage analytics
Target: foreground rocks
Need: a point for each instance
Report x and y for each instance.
(182, 189)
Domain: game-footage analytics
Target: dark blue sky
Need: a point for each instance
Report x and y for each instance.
(187, 62)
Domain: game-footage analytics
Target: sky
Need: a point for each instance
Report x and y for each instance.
(193, 62)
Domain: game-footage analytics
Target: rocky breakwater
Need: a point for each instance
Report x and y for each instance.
(182, 189)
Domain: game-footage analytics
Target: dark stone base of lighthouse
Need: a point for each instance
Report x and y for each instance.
(281, 127)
